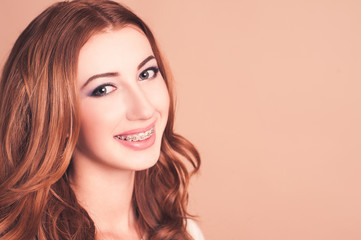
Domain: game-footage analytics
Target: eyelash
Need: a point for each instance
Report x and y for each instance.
(95, 92)
(155, 73)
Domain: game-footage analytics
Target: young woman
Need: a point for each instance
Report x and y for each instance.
(87, 147)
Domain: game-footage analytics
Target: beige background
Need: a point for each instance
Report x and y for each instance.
(269, 91)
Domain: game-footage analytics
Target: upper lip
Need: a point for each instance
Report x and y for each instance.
(137, 130)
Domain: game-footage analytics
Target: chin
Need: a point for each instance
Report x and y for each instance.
(147, 163)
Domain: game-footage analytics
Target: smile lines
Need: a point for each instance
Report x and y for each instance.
(137, 137)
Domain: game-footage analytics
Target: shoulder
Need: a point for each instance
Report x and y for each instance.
(194, 230)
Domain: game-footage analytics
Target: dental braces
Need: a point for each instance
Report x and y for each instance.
(137, 137)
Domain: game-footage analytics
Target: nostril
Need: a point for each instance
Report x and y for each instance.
(139, 107)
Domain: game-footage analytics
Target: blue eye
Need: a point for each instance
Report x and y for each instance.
(103, 90)
(149, 73)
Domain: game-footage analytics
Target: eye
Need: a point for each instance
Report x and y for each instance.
(149, 73)
(103, 90)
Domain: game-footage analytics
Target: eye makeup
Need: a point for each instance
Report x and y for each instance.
(149, 73)
(102, 90)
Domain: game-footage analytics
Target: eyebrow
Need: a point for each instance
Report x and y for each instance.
(102, 75)
(145, 61)
(115, 74)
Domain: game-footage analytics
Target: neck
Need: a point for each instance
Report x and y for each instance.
(106, 194)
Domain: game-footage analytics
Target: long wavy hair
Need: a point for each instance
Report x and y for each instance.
(39, 128)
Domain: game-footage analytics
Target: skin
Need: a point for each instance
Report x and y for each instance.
(103, 168)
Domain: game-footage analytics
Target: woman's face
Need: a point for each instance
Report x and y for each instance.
(123, 99)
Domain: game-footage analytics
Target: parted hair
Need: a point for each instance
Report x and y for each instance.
(39, 128)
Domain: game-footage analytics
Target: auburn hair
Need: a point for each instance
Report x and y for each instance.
(39, 128)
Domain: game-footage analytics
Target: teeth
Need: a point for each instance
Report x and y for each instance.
(137, 137)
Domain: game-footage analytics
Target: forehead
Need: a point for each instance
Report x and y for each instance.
(113, 50)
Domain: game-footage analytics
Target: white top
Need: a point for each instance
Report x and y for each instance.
(194, 230)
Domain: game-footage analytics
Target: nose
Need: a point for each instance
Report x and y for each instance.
(138, 105)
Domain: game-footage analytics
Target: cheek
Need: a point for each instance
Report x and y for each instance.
(98, 117)
(159, 97)
(88, 123)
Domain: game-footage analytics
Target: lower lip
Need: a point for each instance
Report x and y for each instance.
(139, 145)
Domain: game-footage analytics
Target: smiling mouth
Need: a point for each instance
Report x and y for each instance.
(136, 137)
